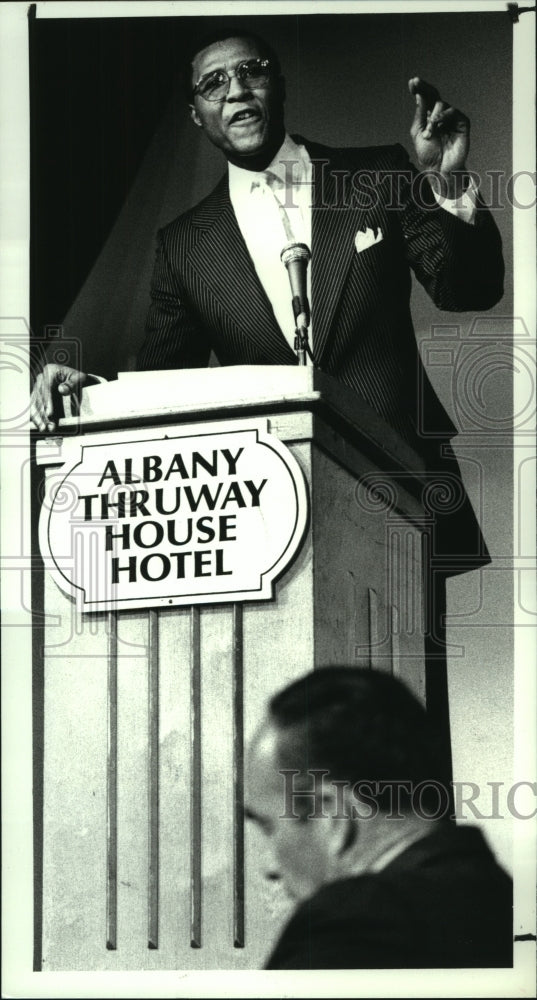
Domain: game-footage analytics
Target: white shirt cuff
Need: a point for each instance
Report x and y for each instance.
(463, 207)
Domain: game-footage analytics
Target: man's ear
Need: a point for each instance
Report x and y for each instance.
(342, 828)
(346, 836)
(283, 91)
(195, 117)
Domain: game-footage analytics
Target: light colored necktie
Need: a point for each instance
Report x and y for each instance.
(268, 183)
(275, 185)
(279, 227)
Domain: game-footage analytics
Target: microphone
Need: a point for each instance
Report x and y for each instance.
(295, 256)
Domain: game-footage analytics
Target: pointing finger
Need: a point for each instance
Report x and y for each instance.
(426, 97)
(420, 87)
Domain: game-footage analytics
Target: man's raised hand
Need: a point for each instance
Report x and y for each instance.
(53, 382)
(440, 133)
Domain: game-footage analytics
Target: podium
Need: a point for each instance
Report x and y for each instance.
(148, 706)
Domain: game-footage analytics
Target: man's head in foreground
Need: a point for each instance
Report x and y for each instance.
(340, 775)
(236, 94)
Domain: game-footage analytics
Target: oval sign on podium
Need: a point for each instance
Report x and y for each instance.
(196, 514)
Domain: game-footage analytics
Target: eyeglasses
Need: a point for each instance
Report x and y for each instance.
(251, 73)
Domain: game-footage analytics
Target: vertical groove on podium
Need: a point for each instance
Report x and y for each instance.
(111, 787)
(426, 577)
(396, 582)
(153, 780)
(373, 627)
(394, 631)
(396, 596)
(411, 585)
(238, 778)
(195, 778)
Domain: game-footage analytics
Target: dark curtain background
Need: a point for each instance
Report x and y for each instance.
(114, 155)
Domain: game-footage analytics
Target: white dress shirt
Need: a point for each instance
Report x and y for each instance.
(264, 229)
(262, 225)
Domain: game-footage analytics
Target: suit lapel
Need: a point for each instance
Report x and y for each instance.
(333, 228)
(221, 259)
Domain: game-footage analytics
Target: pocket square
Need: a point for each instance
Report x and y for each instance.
(366, 238)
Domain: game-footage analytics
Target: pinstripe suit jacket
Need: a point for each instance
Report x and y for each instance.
(206, 295)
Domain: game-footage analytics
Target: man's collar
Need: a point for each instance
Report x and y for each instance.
(240, 180)
(392, 852)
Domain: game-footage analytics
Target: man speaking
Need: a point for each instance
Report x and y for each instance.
(341, 785)
(366, 217)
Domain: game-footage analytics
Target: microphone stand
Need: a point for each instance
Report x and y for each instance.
(296, 256)
(302, 347)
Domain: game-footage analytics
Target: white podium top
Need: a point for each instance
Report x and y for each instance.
(180, 395)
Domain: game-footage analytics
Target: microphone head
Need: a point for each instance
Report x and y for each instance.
(295, 251)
